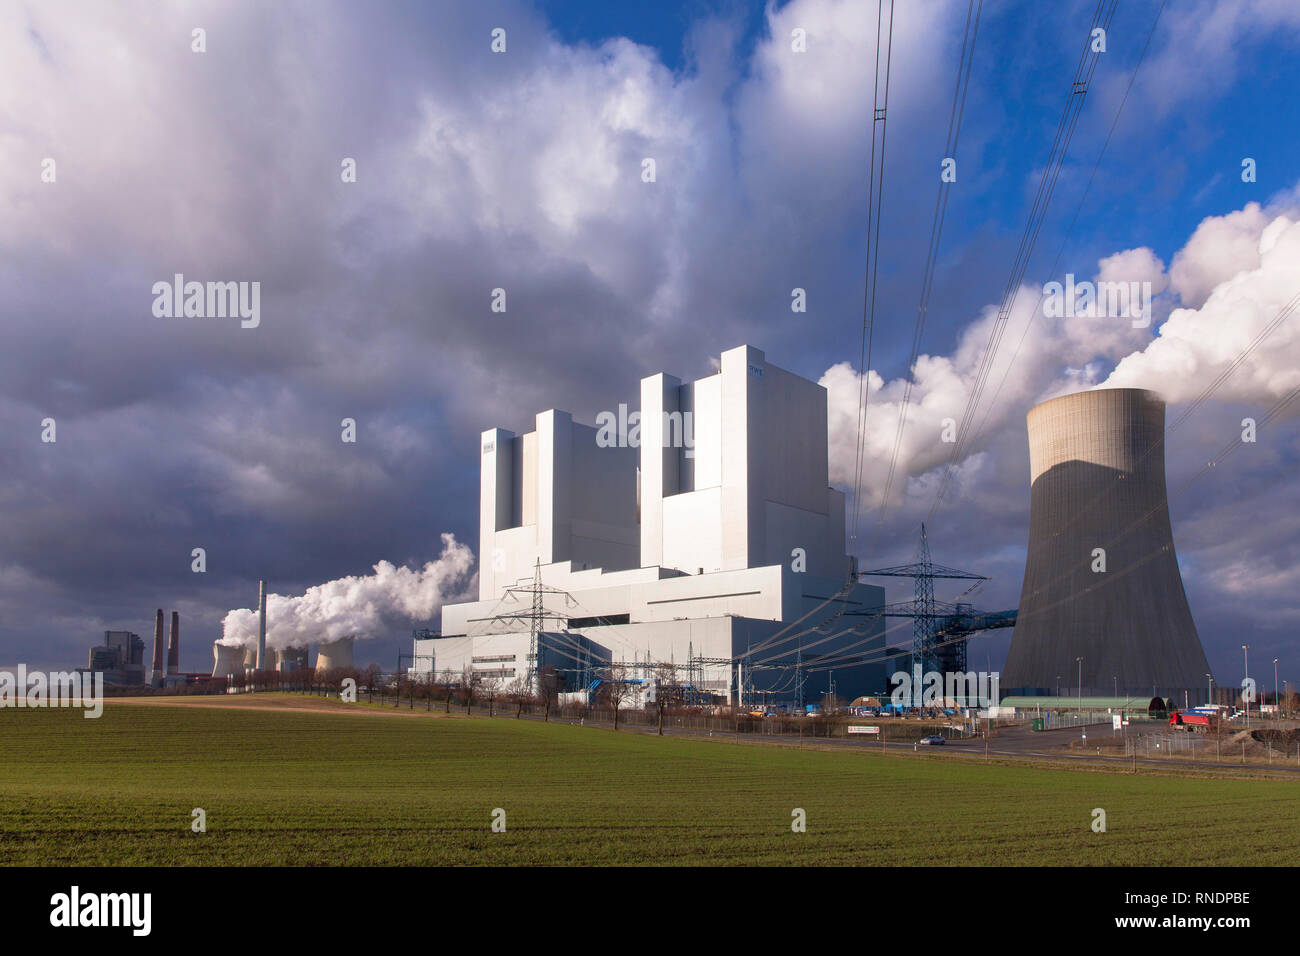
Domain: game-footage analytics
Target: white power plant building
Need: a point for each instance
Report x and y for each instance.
(699, 535)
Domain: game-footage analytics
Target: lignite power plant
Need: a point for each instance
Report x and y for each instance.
(723, 555)
(231, 659)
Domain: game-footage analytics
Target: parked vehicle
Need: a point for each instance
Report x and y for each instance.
(934, 740)
(1192, 721)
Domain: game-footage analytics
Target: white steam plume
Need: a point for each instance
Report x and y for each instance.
(359, 605)
(1227, 283)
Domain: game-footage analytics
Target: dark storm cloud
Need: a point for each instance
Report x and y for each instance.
(475, 171)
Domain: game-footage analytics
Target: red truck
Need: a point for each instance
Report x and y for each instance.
(1192, 722)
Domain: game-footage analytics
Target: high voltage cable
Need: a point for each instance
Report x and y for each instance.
(1083, 73)
(1158, 446)
(955, 115)
(1046, 186)
(874, 203)
(1077, 209)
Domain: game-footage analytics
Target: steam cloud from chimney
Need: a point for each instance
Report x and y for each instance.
(360, 605)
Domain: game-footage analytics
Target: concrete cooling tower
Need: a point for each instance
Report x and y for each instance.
(227, 659)
(250, 657)
(334, 655)
(1097, 481)
(289, 658)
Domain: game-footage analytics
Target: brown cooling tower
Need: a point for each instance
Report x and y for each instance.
(1097, 481)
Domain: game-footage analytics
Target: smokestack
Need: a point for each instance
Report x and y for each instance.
(262, 662)
(157, 675)
(174, 645)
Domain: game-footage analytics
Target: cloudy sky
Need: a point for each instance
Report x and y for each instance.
(521, 170)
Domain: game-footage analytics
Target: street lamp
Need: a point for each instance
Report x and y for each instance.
(1276, 709)
(1079, 686)
(1245, 654)
(1115, 683)
(1209, 689)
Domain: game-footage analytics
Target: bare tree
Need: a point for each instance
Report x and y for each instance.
(490, 687)
(617, 688)
(467, 681)
(448, 678)
(519, 692)
(668, 691)
(430, 682)
(547, 687)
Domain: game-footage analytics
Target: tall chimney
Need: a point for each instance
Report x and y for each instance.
(262, 662)
(174, 645)
(157, 675)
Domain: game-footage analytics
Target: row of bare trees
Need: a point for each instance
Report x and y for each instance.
(487, 688)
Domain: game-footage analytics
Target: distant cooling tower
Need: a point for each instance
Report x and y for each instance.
(227, 659)
(1097, 481)
(289, 658)
(250, 657)
(334, 655)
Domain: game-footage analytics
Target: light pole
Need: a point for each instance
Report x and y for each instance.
(1209, 689)
(1079, 686)
(1277, 710)
(1115, 684)
(1245, 654)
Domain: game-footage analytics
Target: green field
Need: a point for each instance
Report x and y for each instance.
(371, 788)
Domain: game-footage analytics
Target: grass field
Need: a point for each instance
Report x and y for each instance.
(298, 787)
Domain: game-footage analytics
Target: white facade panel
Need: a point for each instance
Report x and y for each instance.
(693, 531)
(687, 538)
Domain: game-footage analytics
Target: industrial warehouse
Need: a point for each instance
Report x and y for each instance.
(710, 554)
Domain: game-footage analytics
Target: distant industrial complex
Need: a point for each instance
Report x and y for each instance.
(696, 542)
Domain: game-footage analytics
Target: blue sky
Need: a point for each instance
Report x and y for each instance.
(480, 170)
